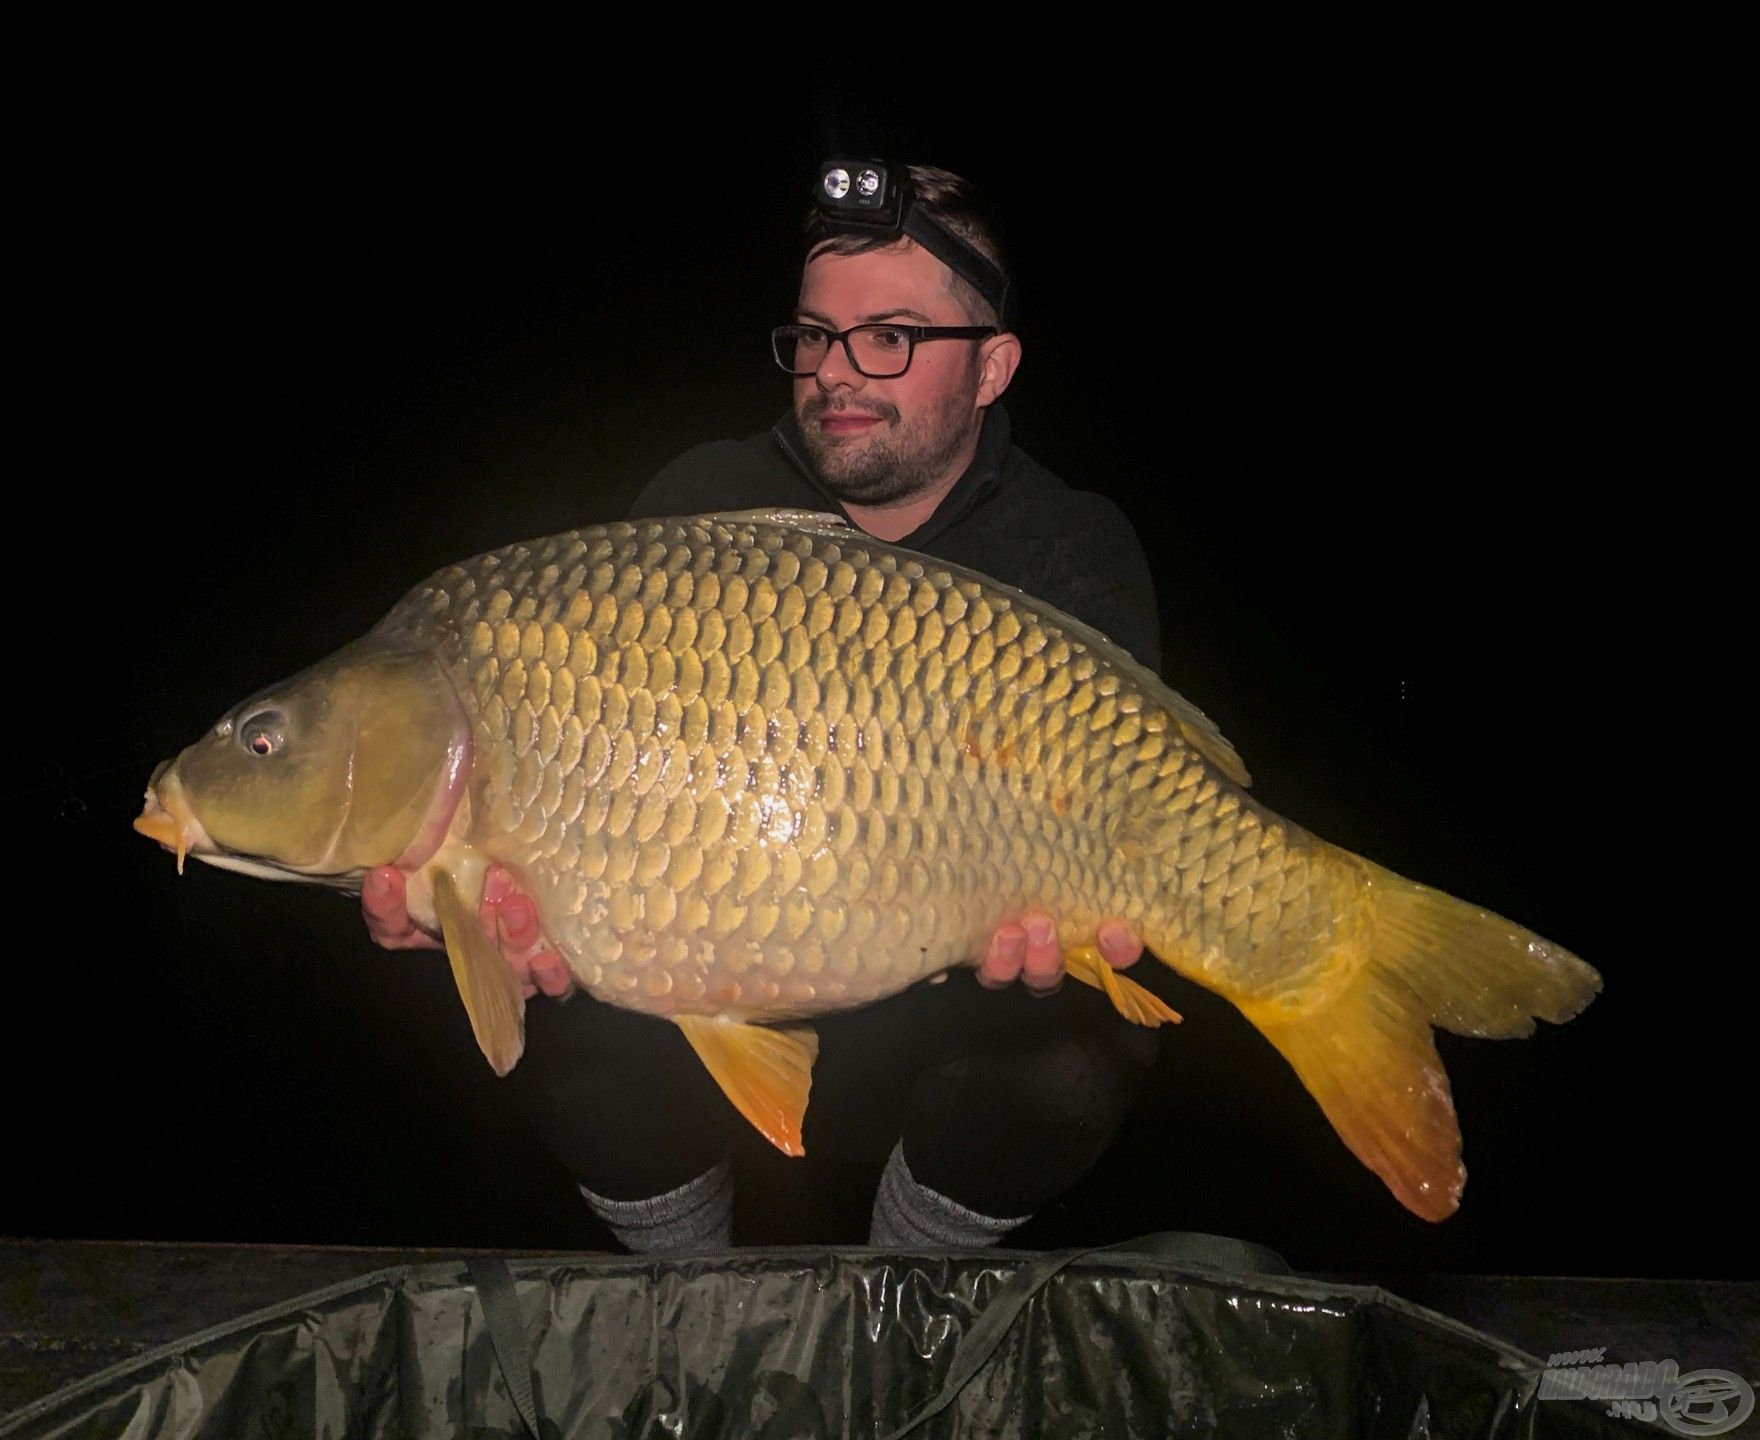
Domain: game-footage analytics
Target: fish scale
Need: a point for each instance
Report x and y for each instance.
(756, 767)
(817, 748)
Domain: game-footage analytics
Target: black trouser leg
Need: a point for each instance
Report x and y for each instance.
(621, 1099)
(1024, 1095)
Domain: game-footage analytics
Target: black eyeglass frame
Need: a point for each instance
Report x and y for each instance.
(916, 333)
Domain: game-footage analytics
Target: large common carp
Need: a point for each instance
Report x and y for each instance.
(759, 766)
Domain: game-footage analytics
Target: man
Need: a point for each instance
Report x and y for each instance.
(900, 357)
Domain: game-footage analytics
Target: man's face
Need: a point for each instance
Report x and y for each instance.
(875, 442)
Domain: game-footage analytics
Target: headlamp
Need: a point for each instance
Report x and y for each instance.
(857, 194)
(869, 197)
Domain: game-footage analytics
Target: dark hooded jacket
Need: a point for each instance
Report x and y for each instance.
(1007, 517)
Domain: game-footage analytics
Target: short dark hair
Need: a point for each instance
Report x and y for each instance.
(956, 203)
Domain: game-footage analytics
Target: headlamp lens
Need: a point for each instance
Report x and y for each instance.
(868, 182)
(836, 184)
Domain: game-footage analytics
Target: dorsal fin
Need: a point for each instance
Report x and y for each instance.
(811, 522)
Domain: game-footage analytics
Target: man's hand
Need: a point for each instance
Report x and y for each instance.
(384, 909)
(507, 916)
(1028, 950)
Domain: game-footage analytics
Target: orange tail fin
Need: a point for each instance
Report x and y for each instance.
(1363, 1047)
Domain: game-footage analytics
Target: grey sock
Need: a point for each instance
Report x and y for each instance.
(696, 1216)
(910, 1216)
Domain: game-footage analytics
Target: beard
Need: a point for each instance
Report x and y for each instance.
(896, 459)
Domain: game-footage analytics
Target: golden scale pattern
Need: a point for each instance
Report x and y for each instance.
(757, 771)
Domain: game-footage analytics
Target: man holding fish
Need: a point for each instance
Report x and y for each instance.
(900, 353)
(755, 771)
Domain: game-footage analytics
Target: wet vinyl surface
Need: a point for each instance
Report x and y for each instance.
(731, 1344)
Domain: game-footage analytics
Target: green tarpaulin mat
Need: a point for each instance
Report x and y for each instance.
(1157, 1338)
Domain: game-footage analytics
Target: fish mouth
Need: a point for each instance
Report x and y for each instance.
(168, 819)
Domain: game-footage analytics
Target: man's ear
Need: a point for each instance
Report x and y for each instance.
(998, 358)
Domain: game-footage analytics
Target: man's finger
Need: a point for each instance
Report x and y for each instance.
(383, 901)
(1001, 965)
(497, 883)
(385, 908)
(518, 957)
(1119, 944)
(517, 919)
(1042, 971)
(550, 975)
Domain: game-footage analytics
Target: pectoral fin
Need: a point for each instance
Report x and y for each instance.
(1131, 1000)
(487, 986)
(765, 1071)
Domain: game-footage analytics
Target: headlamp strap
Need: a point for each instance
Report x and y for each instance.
(959, 257)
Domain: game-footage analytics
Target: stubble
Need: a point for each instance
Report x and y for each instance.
(895, 460)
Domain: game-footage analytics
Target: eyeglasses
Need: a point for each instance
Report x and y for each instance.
(880, 352)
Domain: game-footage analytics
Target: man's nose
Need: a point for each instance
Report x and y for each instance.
(837, 367)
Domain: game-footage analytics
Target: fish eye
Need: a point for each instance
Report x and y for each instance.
(264, 733)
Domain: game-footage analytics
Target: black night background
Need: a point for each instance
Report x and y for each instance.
(1385, 388)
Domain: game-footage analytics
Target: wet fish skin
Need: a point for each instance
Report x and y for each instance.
(765, 772)
(847, 834)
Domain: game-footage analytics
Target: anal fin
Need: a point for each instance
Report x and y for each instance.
(1131, 1000)
(487, 986)
(766, 1071)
